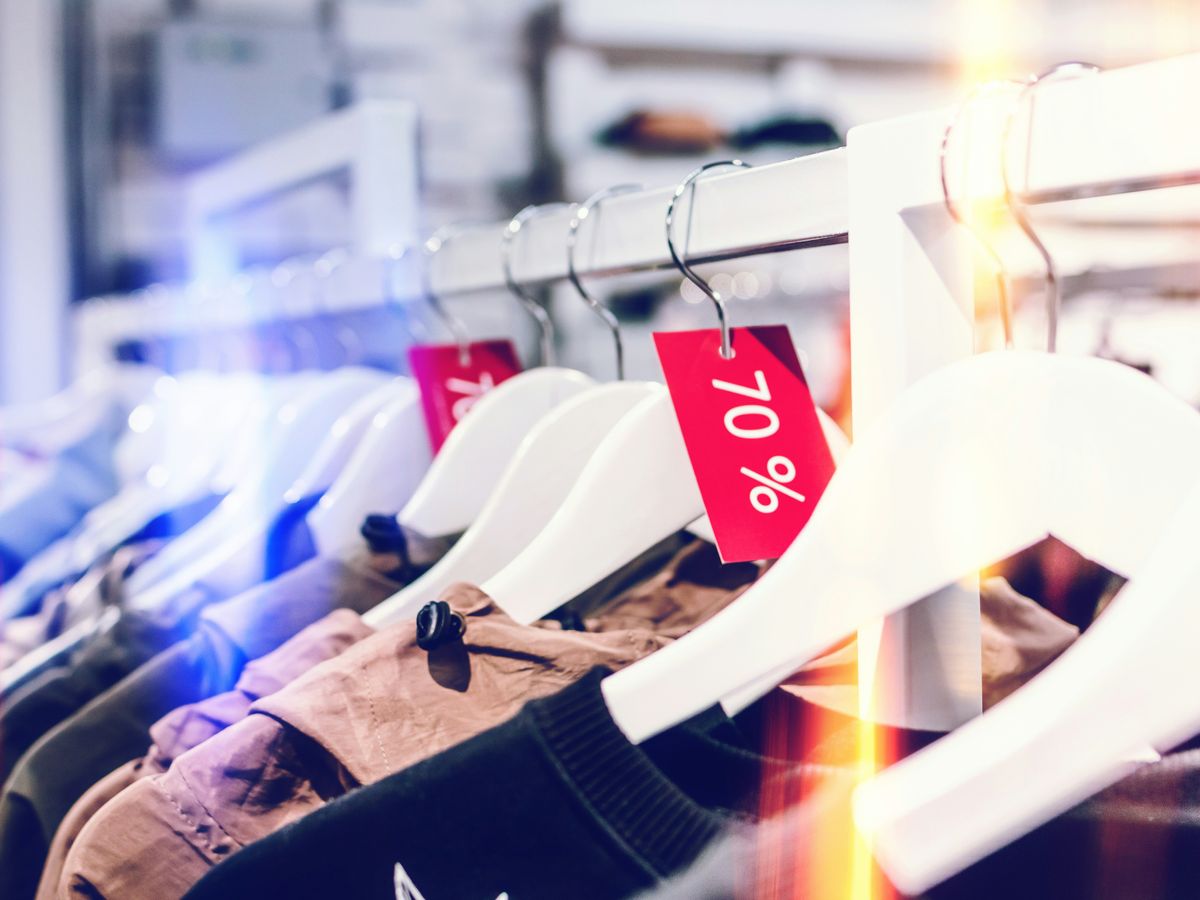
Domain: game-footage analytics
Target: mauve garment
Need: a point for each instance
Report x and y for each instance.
(675, 585)
(690, 589)
(113, 729)
(376, 709)
(191, 725)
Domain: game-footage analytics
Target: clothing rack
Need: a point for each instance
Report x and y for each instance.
(1123, 132)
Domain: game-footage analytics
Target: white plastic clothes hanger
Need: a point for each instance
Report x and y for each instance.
(242, 551)
(252, 403)
(184, 433)
(997, 452)
(58, 421)
(544, 467)
(1074, 730)
(475, 454)
(636, 490)
(380, 475)
(265, 397)
(183, 409)
(350, 428)
(234, 543)
(700, 528)
(344, 437)
(540, 475)
(976, 461)
(296, 431)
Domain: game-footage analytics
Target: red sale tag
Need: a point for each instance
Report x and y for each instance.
(752, 434)
(452, 382)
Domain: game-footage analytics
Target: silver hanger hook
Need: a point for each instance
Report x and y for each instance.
(582, 212)
(1017, 207)
(526, 299)
(1002, 280)
(681, 263)
(432, 245)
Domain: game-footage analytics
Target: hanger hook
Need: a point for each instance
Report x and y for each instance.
(1017, 207)
(606, 315)
(1002, 279)
(681, 263)
(526, 299)
(453, 323)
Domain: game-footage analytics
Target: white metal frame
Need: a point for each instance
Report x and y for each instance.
(911, 276)
(375, 142)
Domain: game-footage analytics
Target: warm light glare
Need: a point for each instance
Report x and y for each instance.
(987, 34)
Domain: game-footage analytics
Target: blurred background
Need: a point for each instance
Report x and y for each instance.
(107, 106)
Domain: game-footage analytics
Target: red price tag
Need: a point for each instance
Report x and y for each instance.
(752, 434)
(450, 385)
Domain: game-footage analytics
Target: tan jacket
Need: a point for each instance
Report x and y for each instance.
(376, 709)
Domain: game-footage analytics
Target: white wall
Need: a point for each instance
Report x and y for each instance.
(34, 279)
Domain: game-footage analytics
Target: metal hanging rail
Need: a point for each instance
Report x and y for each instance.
(790, 205)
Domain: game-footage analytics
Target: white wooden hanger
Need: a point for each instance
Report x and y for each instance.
(1072, 731)
(189, 410)
(543, 469)
(186, 428)
(54, 423)
(297, 430)
(475, 454)
(973, 463)
(380, 476)
(237, 473)
(635, 491)
(348, 431)
(344, 437)
(1075, 729)
(233, 543)
(533, 486)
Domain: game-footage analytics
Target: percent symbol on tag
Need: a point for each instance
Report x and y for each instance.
(765, 497)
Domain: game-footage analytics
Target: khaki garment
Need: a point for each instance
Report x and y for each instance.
(692, 586)
(379, 707)
(1018, 638)
(191, 725)
(61, 608)
(690, 589)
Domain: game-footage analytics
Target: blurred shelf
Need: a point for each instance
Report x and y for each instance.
(913, 32)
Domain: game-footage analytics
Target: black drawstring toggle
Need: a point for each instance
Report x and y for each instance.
(438, 625)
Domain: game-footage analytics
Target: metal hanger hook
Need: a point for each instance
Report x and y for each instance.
(582, 212)
(681, 263)
(1002, 280)
(453, 323)
(526, 299)
(1016, 206)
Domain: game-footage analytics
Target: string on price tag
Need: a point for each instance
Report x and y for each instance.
(752, 434)
(452, 378)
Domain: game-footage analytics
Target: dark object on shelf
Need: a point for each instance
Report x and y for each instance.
(663, 133)
(787, 129)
